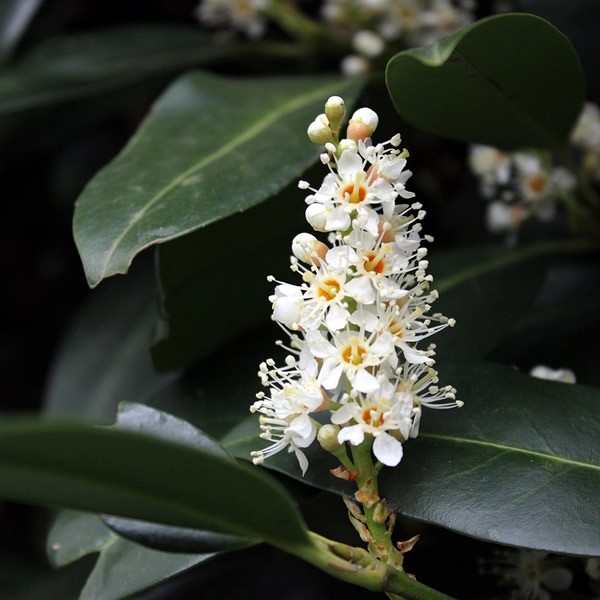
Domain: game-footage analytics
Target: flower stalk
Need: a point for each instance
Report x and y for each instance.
(356, 324)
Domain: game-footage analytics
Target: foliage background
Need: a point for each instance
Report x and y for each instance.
(48, 156)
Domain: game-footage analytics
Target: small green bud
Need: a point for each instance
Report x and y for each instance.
(327, 437)
(335, 109)
(319, 131)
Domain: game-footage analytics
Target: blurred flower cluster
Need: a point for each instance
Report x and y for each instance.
(531, 184)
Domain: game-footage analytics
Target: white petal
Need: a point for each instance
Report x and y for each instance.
(337, 318)
(349, 163)
(343, 414)
(353, 434)
(364, 382)
(387, 449)
(328, 377)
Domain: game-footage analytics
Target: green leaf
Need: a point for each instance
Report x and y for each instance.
(519, 464)
(76, 79)
(123, 568)
(199, 157)
(494, 82)
(144, 419)
(104, 470)
(103, 358)
(486, 290)
(174, 539)
(196, 281)
(15, 16)
(74, 535)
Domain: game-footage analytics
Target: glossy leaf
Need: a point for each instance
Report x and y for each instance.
(15, 16)
(486, 290)
(189, 164)
(144, 419)
(123, 568)
(104, 358)
(518, 465)
(197, 281)
(184, 487)
(577, 20)
(74, 535)
(493, 82)
(173, 539)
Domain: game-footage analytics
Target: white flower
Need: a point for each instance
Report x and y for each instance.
(244, 15)
(543, 372)
(376, 414)
(532, 573)
(285, 417)
(352, 354)
(362, 308)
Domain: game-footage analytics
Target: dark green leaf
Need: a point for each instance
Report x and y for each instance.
(74, 535)
(199, 157)
(138, 417)
(144, 419)
(494, 82)
(123, 568)
(486, 290)
(15, 16)
(104, 356)
(519, 464)
(77, 79)
(201, 276)
(578, 21)
(173, 539)
(103, 470)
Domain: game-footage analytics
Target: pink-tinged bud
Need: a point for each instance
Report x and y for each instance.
(309, 249)
(335, 110)
(362, 124)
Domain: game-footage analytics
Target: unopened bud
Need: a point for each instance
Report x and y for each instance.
(362, 124)
(308, 248)
(319, 131)
(335, 111)
(328, 438)
(316, 214)
(347, 144)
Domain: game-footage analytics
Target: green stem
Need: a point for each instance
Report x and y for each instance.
(294, 22)
(358, 567)
(377, 515)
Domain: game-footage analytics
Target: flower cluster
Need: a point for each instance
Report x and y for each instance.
(362, 309)
(374, 24)
(521, 185)
(370, 27)
(241, 15)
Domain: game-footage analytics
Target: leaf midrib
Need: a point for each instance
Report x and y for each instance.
(243, 137)
(509, 448)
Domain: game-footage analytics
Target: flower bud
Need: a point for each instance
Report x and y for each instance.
(335, 111)
(308, 248)
(362, 124)
(347, 144)
(316, 215)
(328, 438)
(319, 131)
